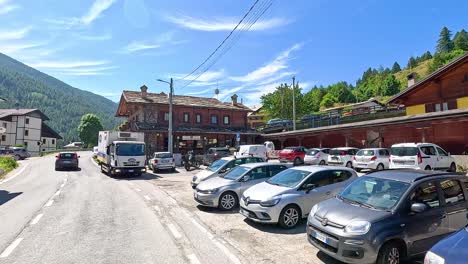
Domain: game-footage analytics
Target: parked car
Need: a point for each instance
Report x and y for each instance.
(224, 192)
(293, 154)
(95, 151)
(421, 156)
(371, 158)
(316, 156)
(214, 154)
(6, 152)
(20, 153)
(252, 151)
(387, 216)
(278, 121)
(451, 250)
(67, 160)
(162, 161)
(221, 167)
(342, 156)
(288, 197)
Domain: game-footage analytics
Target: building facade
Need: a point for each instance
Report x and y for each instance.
(26, 127)
(256, 118)
(198, 122)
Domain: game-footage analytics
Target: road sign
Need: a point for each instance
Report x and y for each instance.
(238, 137)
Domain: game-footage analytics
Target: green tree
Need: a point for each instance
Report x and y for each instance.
(412, 62)
(461, 40)
(440, 60)
(278, 104)
(89, 128)
(396, 67)
(390, 85)
(342, 92)
(312, 100)
(445, 43)
(328, 100)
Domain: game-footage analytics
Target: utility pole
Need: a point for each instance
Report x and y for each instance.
(170, 137)
(294, 102)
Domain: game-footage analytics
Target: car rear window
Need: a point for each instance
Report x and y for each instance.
(286, 150)
(313, 151)
(338, 152)
(404, 151)
(365, 152)
(163, 155)
(66, 155)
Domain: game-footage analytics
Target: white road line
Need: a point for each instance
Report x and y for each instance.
(147, 198)
(174, 231)
(36, 219)
(65, 180)
(15, 175)
(49, 203)
(193, 259)
(202, 229)
(138, 190)
(11, 247)
(63, 184)
(226, 251)
(130, 183)
(157, 209)
(57, 193)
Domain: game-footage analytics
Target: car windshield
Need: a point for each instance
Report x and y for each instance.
(67, 155)
(365, 152)
(337, 152)
(312, 152)
(130, 149)
(404, 151)
(236, 173)
(163, 155)
(216, 165)
(377, 193)
(288, 178)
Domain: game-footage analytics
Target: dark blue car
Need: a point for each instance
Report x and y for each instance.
(452, 250)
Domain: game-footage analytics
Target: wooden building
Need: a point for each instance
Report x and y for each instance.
(198, 122)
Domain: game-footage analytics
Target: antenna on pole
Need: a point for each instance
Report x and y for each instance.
(216, 90)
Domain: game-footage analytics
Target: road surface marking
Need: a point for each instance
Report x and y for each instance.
(174, 231)
(49, 203)
(57, 193)
(11, 247)
(138, 190)
(63, 184)
(36, 219)
(14, 176)
(193, 259)
(226, 251)
(147, 198)
(202, 229)
(65, 180)
(130, 183)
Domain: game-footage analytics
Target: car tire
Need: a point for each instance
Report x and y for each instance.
(380, 167)
(390, 253)
(427, 167)
(453, 167)
(322, 162)
(349, 164)
(173, 169)
(228, 201)
(289, 217)
(357, 170)
(297, 161)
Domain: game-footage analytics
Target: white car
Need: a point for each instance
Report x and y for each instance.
(316, 156)
(259, 151)
(371, 158)
(342, 156)
(162, 161)
(421, 156)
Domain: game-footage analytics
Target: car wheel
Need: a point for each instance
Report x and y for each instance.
(349, 164)
(390, 253)
(17, 157)
(174, 169)
(357, 170)
(428, 168)
(227, 201)
(289, 217)
(453, 167)
(297, 161)
(380, 167)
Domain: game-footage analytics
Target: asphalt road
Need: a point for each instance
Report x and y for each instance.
(87, 217)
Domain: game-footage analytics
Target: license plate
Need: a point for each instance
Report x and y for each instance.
(321, 237)
(130, 170)
(362, 164)
(67, 161)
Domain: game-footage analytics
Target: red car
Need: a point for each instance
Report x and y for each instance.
(293, 154)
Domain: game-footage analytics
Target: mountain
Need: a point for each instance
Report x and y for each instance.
(62, 103)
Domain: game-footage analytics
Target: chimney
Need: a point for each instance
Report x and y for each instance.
(234, 99)
(411, 79)
(144, 91)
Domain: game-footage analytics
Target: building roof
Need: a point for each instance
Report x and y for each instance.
(47, 131)
(21, 112)
(354, 105)
(162, 98)
(430, 77)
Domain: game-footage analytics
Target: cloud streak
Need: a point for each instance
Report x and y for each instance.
(222, 23)
(14, 34)
(6, 7)
(96, 10)
(163, 40)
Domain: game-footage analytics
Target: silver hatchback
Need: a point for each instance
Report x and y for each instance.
(224, 192)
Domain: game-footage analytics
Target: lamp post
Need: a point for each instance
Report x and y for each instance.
(169, 130)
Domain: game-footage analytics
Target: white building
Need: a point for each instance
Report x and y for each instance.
(26, 127)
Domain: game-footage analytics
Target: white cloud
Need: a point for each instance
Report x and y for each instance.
(67, 64)
(6, 7)
(164, 39)
(225, 93)
(101, 37)
(87, 71)
(201, 92)
(95, 11)
(139, 46)
(223, 23)
(13, 48)
(14, 34)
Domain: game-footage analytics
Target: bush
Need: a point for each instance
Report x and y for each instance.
(7, 164)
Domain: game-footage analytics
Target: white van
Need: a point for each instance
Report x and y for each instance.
(259, 151)
(421, 156)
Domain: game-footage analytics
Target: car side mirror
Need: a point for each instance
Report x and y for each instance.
(56, 156)
(308, 187)
(246, 178)
(222, 170)
(418, 207)
(79, 156)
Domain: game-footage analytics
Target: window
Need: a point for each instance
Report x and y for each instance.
(226, 120)
(186, 117)
(53, 141)
(43, 141)
(429, 150)
(441, 152)
(26, 132)
(198, 118)
(3, 138)
(214, 119)
(26, 144)
(383, 152)
(441, 106)
(276, 169)
(453, 192)
(426, 193)
(258, 173)
(166, 116)
(319, 179)
(27, 121)
(339, 176)
(4, 125)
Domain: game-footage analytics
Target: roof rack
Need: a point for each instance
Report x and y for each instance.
(438, 174)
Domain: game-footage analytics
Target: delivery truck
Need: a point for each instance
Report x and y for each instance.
(121, 153)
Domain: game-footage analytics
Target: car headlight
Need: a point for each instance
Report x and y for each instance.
(432, 258)
(212, 191)
(271, 202)
(313, 210)
(358, 227)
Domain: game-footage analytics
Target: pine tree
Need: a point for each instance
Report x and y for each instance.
(412, 63)
(445, 43)
(396, 67)
(461, 40)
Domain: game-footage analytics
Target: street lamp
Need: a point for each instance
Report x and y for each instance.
(169, 130)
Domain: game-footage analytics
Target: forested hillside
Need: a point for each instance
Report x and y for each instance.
(380, 83)
(63, 104)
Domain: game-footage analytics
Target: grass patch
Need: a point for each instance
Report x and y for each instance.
(7, 164)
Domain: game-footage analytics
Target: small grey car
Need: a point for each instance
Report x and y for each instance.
(224, 191)
(388, 216)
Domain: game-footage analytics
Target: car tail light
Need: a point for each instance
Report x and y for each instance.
(155, 161)
(374, 158)
(419, 158)
(354, 158)
(75, 156)
(318, 155)
(59, 156)
(216, 155)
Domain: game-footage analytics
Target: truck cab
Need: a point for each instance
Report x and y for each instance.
(125, 157)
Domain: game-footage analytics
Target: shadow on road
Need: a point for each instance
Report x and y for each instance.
(214, 210)
(275, 229)
(329, 260)
(6, 196)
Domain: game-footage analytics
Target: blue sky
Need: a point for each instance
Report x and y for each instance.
(106, 46)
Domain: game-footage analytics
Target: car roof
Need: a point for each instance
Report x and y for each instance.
(163, 152)
(344, 148)
(317, 168)
(412, 144)
(220, 148)
(67, 152)
(372, 148)
(258, 164)
(410, 176)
